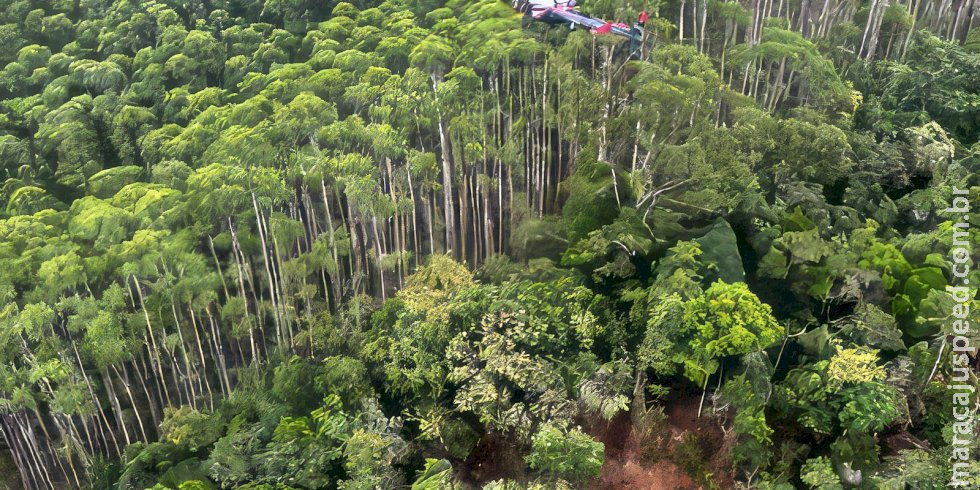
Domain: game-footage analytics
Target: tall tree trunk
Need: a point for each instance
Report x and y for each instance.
(868, 27)
(200, 352)
(153, 403)
(336, 281)
(876, 30)
(27, 478)
(188, 367)
(114, 401)
(416, 246)
(132, 401)
(680, 23)
(222, 362)
(266, 263)
(379, 254)
(98, 404)
(237, 252)
(447, 173)
(153, 349)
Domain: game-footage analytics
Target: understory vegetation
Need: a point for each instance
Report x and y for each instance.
(413, 244)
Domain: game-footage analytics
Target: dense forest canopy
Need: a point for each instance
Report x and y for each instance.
(303, 245)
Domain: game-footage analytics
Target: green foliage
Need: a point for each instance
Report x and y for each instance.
(538, 238)
(721, 252)
(570, 454)
(293, 383)
(727, 320)
(437, 475)
(592, 199)
(289, 245)
(914, 468)
(186, 426)
(690, 458)
(663, 345)
(304, 450)
(934, 82)
(755, 436)
(143, 464)
(610, 251)
(731, 320)
(819, 474)
(427, 290)
(236, 456)
(369, 457)
(844, 397)
(346, 378)
(872, 327)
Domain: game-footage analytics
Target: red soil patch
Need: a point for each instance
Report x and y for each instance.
(647, 464)
(664, 475)
(682, 411)
(633, 462)
(628, 464)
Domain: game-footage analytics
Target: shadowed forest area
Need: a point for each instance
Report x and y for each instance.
(302, 244)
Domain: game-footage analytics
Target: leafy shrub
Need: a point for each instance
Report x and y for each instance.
(570, 454)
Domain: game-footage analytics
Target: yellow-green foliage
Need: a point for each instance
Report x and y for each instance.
(428, 289)
(854, 365)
